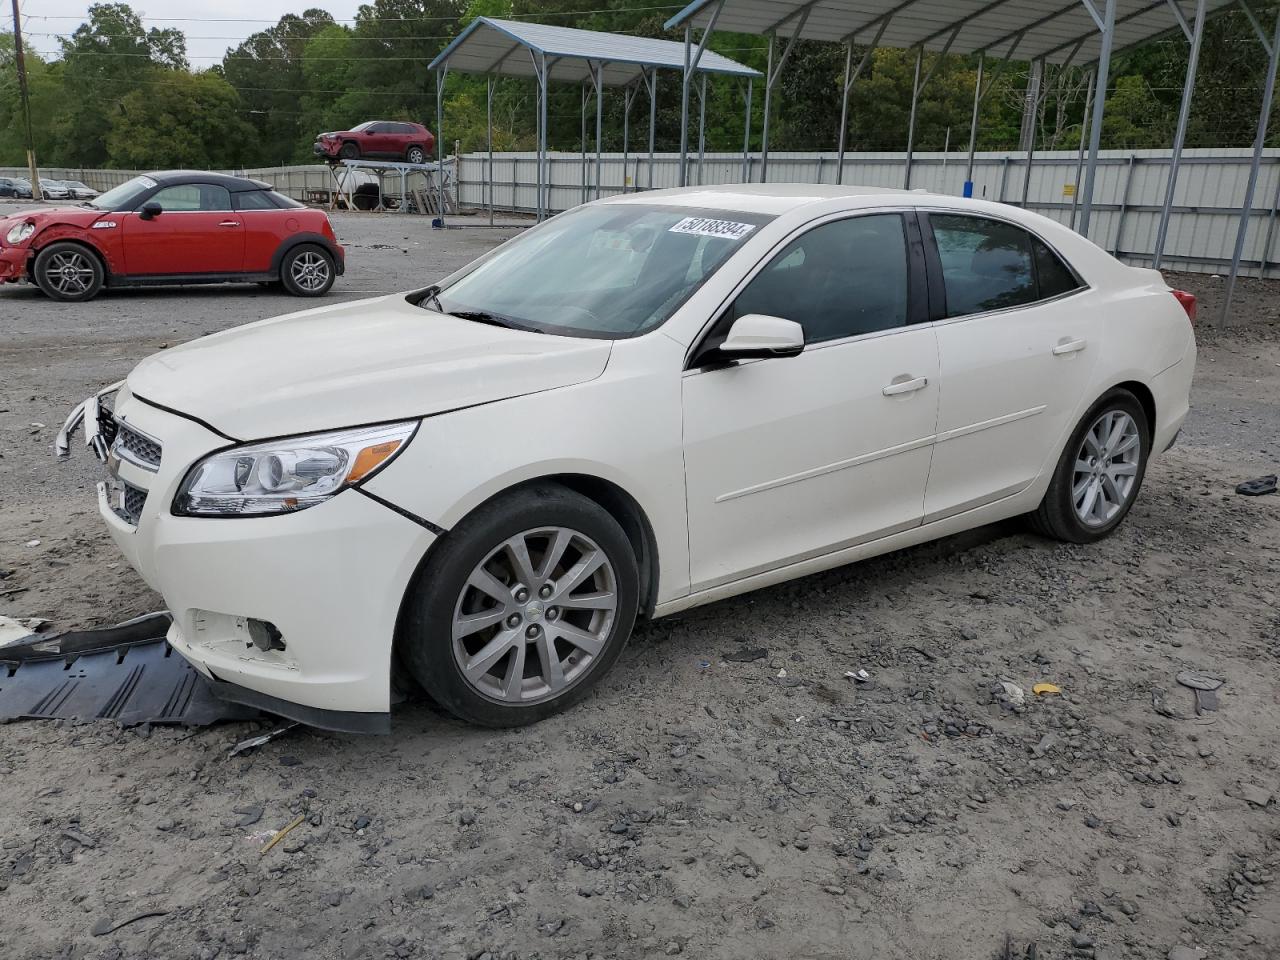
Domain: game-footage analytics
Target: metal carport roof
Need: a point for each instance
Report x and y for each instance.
(537, 51)
(1039, 31)
(1049, 31)
(496, 48)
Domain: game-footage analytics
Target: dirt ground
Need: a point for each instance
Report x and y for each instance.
(702, 802)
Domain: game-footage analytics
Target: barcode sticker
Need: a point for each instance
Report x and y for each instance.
(703, 227)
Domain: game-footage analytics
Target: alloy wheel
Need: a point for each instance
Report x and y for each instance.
(310, 271)
(534, 615)
(69, 273)
(1106, 468)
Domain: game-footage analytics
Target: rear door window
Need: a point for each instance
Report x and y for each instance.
(986, 264)
(254, 200)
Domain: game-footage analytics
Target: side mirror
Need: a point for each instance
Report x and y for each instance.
(150, 210)
(759, 336)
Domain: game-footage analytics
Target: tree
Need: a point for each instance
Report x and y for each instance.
(103, 61)
(184, 120)
(267, 71)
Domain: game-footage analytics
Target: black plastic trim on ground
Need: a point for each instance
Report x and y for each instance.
(341, 721)
(131, 682)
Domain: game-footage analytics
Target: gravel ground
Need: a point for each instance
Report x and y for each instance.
(704, 802)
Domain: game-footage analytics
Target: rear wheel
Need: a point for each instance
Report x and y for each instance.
(307, 271)
(523, 607)
(415, 154)
(67, 271)
(1100, 472)
(349, 151)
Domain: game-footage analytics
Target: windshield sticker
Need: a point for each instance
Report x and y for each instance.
(147, 182)
(703, 227)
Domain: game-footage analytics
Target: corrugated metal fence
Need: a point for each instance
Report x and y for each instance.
(1127, 200)
(1130, 189)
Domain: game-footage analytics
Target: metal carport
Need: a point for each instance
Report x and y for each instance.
(507, 48)
(1085, 32)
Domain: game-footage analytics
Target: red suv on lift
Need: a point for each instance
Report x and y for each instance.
(378, 140)
(181, 226)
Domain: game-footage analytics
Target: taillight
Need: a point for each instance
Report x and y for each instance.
(1188, 301)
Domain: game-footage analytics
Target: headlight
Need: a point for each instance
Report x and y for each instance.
(19, 233)
(285, 476)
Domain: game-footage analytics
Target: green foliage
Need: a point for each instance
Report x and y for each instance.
(121, 94)
(187, 120)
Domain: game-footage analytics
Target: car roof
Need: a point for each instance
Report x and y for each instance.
(171, 178)
(767, 198)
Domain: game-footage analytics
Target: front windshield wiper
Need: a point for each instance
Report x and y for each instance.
(431, 296)
(493, 319)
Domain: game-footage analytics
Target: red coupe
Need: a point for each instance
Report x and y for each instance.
(174, 227)
(378, 140)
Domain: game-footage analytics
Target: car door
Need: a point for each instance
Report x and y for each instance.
(381, 139)
(265, 228)
(791, 458)
(196, 232)
(1017, 347)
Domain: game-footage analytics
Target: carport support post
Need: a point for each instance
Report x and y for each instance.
(768, 99)
(851, 75)
(441, 75)
(1268, 92)
(973, 125)
(1030, 115)
(1108, 28)
(746, 135)
(692, 57)
(584, 140)
(653, 118)
(598, 80)
(628, 96)
(911, 122)
(1084, 132)
(702, 123)
(1184, 113)
(544, 188)
(488, 104)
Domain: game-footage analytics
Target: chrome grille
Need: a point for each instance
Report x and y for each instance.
(132, 501)
(136, 447)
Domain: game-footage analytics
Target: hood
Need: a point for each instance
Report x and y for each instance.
(353, 363)
(46, 216)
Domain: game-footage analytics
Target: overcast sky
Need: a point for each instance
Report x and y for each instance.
(210, 25)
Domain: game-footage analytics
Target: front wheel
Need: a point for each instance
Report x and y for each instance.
(1100, 472)
(522, 608)
(69, 272)
(307, 271)
(349, 151)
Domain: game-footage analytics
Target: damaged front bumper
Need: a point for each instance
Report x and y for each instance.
(295, 613)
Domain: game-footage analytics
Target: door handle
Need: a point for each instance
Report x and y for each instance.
(229, 223)
(1069, 346)
(906, 386)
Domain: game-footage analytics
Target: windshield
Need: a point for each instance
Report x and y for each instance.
(607, 271)
(362, 126)
(125, 196)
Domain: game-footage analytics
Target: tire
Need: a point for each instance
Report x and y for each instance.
(69, 272)
(1109, 476)
(529, 670)
(349, 151)
(415, 154)
(307, 271)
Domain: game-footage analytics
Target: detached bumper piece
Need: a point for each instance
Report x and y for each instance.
(127, 673)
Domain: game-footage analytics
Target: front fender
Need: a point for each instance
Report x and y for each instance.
(111, 257)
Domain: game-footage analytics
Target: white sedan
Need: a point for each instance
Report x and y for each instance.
(647, 403)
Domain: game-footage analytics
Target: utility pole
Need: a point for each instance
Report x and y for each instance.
(36, 192)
